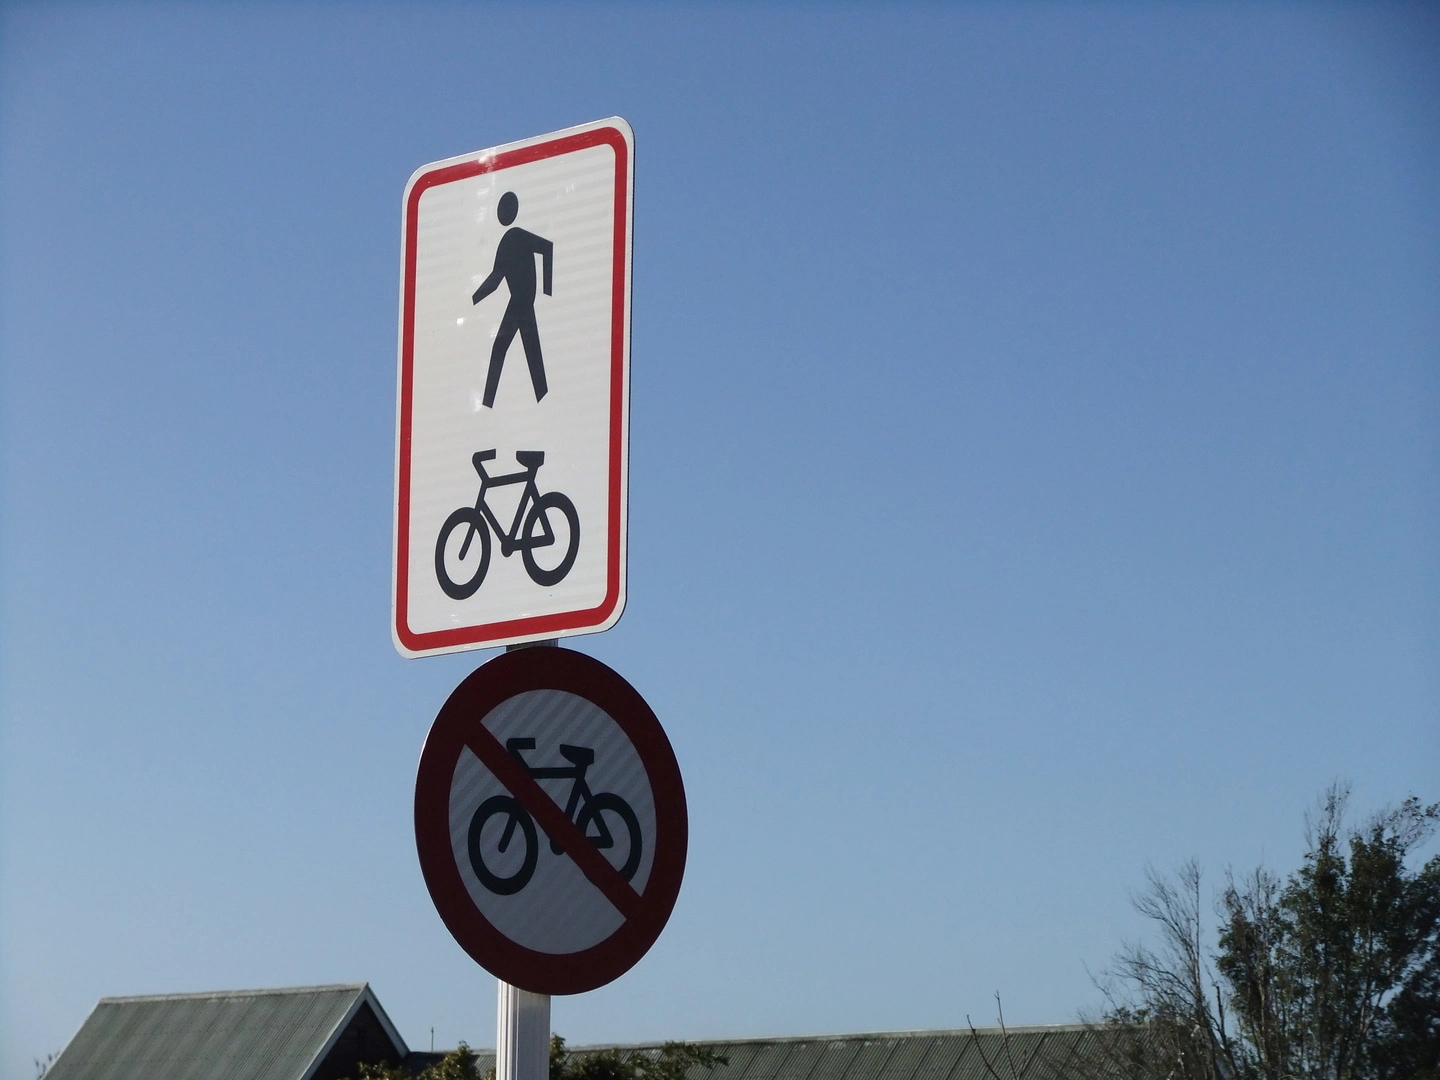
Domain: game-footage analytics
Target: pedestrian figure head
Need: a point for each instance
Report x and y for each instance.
(508, 208)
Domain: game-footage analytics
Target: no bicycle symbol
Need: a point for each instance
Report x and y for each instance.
(550, 820)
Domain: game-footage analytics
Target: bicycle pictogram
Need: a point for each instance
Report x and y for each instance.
(587, 809)
(547, 543)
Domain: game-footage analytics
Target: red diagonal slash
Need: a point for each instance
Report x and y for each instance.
(552, 819)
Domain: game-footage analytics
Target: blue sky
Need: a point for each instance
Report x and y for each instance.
(1034, 477)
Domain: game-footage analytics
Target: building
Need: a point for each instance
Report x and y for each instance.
(324, 1032)
(306, 1033)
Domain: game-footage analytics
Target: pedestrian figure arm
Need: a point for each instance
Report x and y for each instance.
(547, 251)
(489, 285)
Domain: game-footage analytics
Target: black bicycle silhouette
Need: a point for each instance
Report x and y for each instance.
(549, 514)
(585, 808)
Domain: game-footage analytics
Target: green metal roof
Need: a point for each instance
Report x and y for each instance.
(1037, 1053)
(310, 1033)
(238, 1035)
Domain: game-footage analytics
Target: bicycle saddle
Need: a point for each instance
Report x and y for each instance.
(531, 459)
(578, 755)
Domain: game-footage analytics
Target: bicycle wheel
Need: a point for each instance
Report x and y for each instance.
(625, 841)
(455, 549)
(553, 528)
(492, 845)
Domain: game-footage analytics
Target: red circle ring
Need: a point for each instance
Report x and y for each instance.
(511, 673)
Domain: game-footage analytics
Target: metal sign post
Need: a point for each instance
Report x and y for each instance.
(549, 811)
(522, 1019)
(552, 831)
(522, 1034)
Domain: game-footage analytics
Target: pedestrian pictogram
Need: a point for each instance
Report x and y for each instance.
(515, 265)
(544, 226)
(550, 820)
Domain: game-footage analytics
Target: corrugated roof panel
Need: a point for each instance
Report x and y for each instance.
(1029, 1053)
(769, 1059)
(799, 1062)
(741, 1054)
(944, 1052)
(260, 1035)
(985, 1051)
(280, 1034)
(887, 1056)
(804, 1058)
(833, 1058)
(1059, 1052)
(1048, 1053)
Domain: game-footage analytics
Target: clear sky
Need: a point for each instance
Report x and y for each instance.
(1035, 475)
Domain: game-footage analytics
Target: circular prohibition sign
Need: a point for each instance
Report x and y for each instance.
(550, 820)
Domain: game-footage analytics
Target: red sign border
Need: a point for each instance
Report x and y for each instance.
(548, 668)
(497, 633)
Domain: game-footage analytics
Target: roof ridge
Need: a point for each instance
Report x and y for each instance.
(1026, 1029)
(328, 987)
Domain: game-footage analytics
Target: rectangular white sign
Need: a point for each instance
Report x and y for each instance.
(512, 426)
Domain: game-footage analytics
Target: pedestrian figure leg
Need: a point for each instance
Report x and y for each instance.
(506, 334)
(530, 338)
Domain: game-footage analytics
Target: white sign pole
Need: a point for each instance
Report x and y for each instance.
(522, 1034)
(522, 1019)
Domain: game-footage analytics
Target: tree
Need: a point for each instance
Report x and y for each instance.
(1005, 1060)
(1330, 974)
(1166, 1014)
(458, 1064)
(672, 1061)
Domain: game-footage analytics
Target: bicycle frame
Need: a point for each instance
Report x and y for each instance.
(583, 809)
(509, 542)
(580, 793)
(532, 529)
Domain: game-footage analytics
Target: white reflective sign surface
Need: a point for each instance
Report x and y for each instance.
(532, 894)
(512, 423)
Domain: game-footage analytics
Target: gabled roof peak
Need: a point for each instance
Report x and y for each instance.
(289, 1033)
(216, 994)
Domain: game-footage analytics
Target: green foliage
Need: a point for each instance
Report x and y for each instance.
(672, 1061)
(458, 1064)
(1331, 974)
